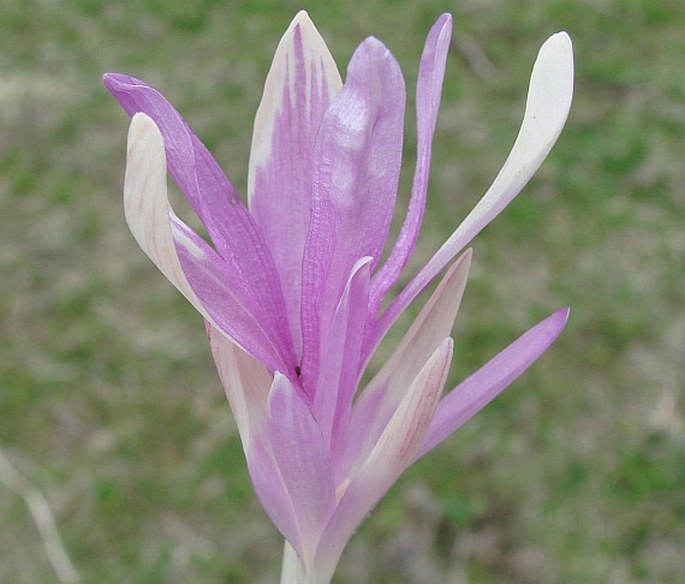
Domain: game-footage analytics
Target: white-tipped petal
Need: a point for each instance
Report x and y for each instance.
(393, 451)
(549, 100)
(146, 204)
(189, 263)
(379, 399)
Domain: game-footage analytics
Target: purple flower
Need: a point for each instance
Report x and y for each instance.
(292, 286)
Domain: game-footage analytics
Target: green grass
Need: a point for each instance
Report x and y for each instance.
(109, 402)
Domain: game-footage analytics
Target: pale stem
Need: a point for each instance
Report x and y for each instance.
(292, 571)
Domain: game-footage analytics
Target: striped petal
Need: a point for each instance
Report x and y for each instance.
(182, 256)
(549, 100)
(301, 83)
(248, 263)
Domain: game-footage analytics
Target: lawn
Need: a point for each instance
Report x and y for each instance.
(109, 402)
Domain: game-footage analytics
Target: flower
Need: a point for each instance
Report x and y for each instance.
(292, 285)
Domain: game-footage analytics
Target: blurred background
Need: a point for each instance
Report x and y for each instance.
(110, 407)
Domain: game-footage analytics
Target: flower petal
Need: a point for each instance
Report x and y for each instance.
(340, 358)
(247, 384)
(476, 391)
(301, 83)
(428, 90)
(271, 490)
(356, 170)
(304, 461)
(392, 453)
(380, 398)
(245, 381)
(183, 257)
(549, 100)
(231, 227)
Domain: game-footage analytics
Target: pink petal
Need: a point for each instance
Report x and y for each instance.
(476, 391)
(380, 398)
(182, 256)
(233, 231)
(547, 107)
(304, 461)
(271, 490)
(356, 170)
(340, 358)
(392, 453)
(428, 90)
(302, 81)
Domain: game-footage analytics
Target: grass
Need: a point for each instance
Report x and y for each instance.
(108, 398)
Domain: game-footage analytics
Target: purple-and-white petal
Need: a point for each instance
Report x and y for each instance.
(232, 229)
(300, 86)
(391, 454)
(380, 397)
(182, 256)
(246, 383)
(549, 101)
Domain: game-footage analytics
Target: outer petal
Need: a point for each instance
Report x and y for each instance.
(356, 170)
(428, 90)
(271, 490)
(547, 107)
(304, 461)
(340, 364)
(302, 81)
(228, 222)
(475, 392)
(391, 455)
(247, 383)
(183, 257)
(384, 392)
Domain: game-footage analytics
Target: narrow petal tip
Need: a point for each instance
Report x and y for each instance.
(444, 19)
(561, 317)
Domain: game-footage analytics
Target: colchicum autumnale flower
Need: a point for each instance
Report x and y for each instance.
(292, 286)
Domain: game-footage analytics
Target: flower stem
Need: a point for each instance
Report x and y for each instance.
(292, 571)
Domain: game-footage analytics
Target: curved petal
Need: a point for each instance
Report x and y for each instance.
(183, 257)
(355, 174)
(428, 91)
(301, 83)
(476, 391)
(229, 224)
(380, 398)
(271, 490)
(304, 461)
(246, 383)
(390, 456)
(340, 359)
(549, 100)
